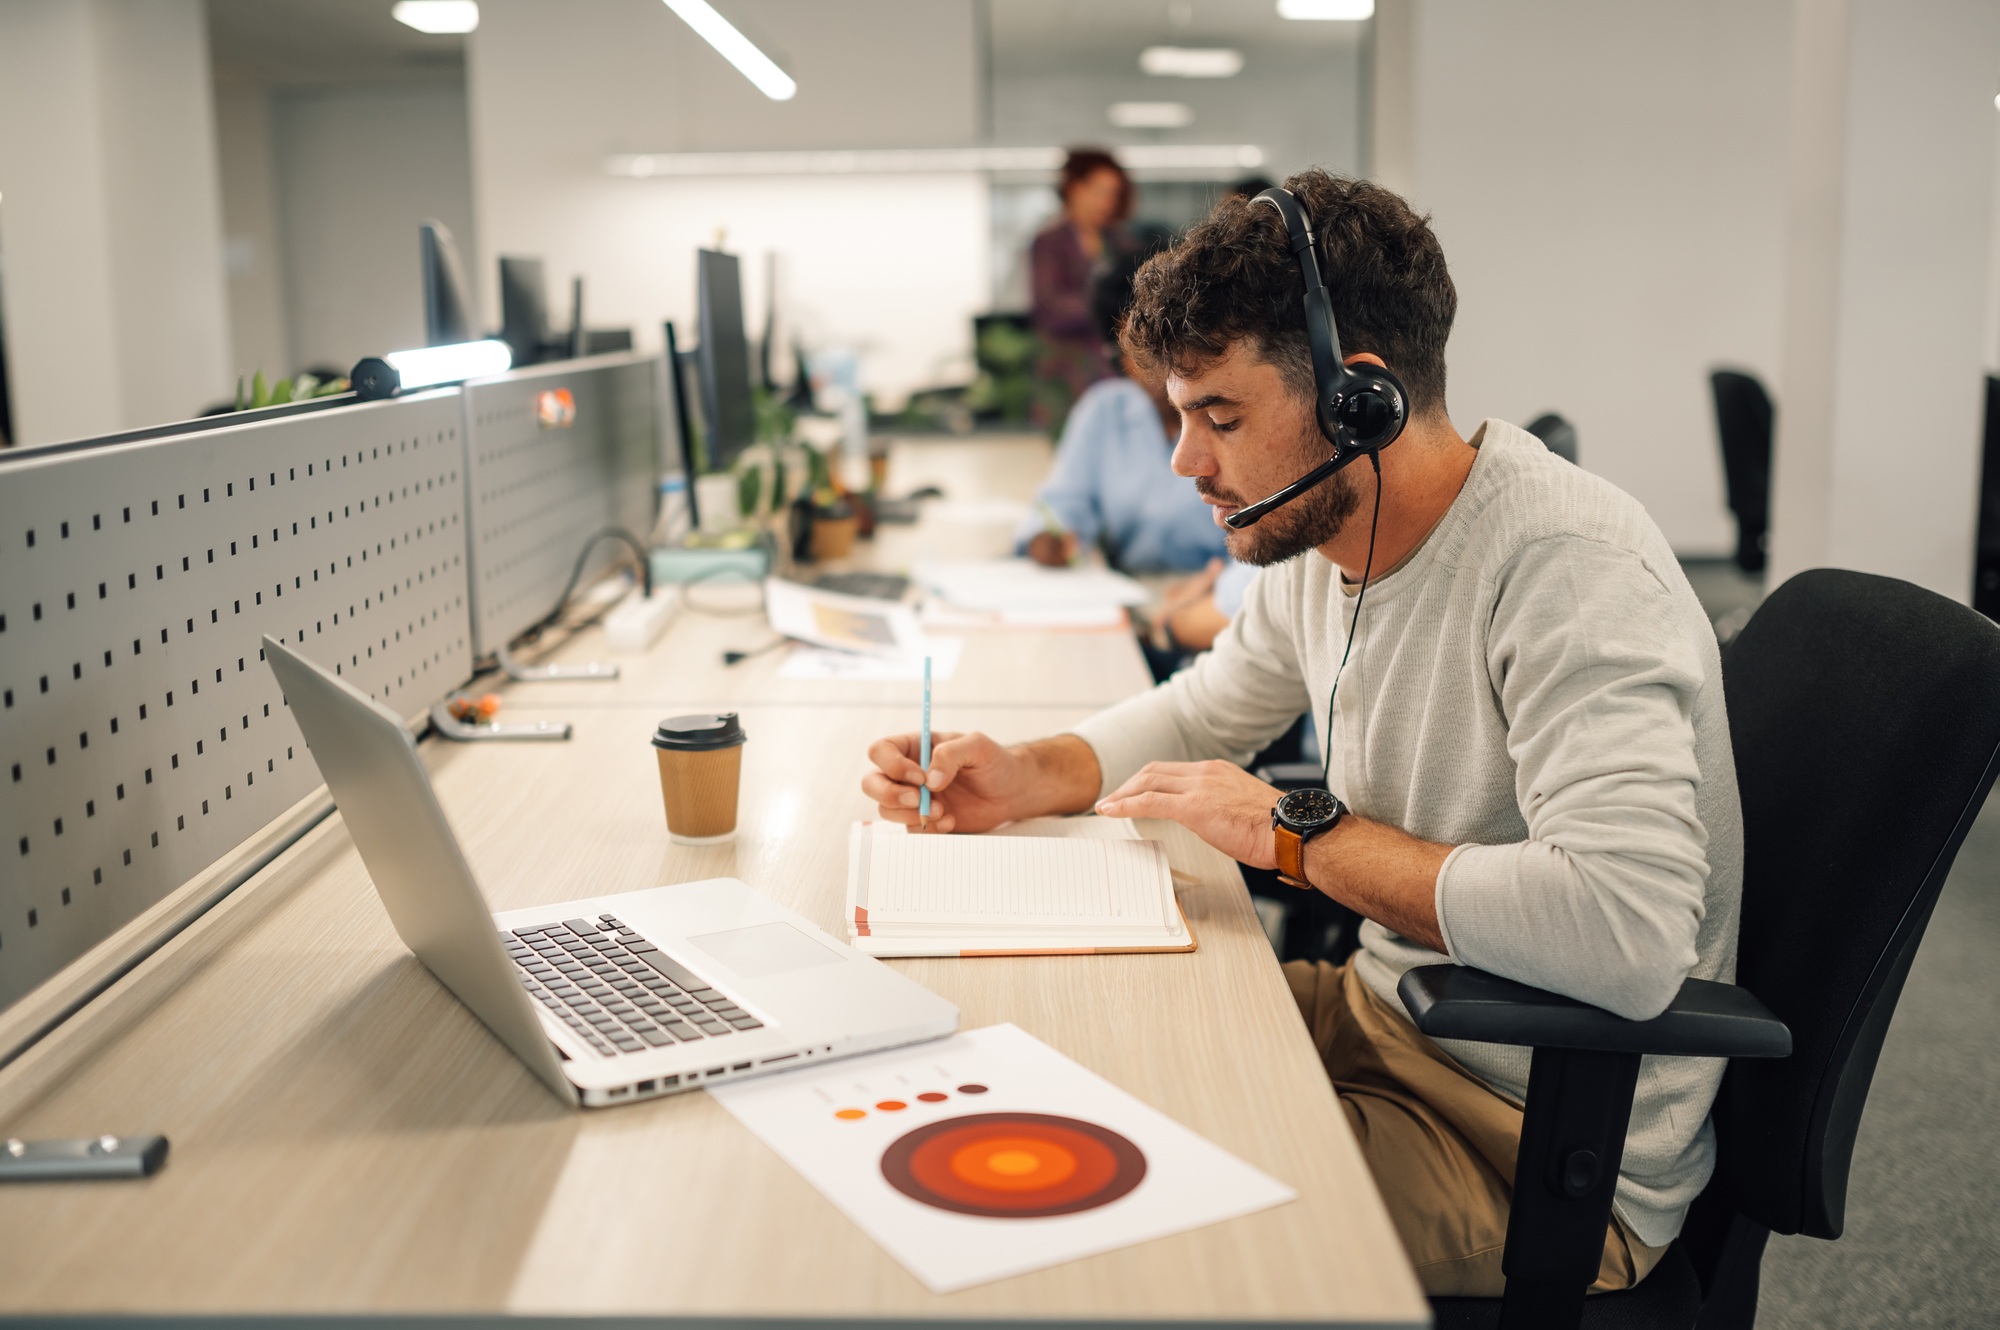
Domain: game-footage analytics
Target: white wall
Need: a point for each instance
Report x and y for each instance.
(359, 168)
(253, 255)
(1893, 226)
(115, 309)
(893, 265)
(1608, 184)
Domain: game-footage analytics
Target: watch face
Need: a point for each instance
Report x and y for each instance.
(1303, 810)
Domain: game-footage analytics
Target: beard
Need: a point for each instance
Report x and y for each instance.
(1305, 523)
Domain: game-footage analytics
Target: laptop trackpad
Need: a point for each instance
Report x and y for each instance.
(766, 949)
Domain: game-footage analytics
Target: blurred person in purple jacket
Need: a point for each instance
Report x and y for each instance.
(1097, 198)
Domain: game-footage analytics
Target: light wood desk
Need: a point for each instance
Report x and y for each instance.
(347, 1138)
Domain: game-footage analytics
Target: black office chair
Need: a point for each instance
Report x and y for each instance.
(1556, 434)
(1865, 717)
(1743, 416)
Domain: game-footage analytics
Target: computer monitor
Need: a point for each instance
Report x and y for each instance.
(447, 308)
(524, 309)
(729, 412)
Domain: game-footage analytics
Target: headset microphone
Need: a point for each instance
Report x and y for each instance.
(1360, 409)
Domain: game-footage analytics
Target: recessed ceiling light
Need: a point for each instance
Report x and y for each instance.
(1151, 115)
(1351, 11)
(1191, 62)
(737, 49)
(437, 15)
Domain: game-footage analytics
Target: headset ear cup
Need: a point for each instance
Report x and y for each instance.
(1374, 409)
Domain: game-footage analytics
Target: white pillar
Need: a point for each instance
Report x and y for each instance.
(1890, 242)
(110, 225)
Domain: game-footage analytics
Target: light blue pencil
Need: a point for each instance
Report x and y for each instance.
(924, 753)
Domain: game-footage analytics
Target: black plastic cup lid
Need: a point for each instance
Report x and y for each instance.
(699, 734)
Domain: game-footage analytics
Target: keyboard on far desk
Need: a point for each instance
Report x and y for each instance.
(618, 991)
(875, 586)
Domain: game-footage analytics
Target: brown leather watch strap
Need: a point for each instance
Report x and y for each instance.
(1290, 852)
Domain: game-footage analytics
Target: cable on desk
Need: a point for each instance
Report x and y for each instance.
(576, 574)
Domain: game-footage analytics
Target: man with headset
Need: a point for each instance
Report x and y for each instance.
(1519, 696)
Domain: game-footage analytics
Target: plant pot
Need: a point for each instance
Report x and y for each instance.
(833, 535)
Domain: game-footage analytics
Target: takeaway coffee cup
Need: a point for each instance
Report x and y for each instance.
(701, 760)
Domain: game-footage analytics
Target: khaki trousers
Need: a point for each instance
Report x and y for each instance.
(1439, 1141)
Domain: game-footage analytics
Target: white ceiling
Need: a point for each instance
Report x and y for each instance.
(317, 43)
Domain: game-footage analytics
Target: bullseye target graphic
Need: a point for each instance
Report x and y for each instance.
(1013, 1165)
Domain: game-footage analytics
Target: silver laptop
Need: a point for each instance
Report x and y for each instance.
(613, 998)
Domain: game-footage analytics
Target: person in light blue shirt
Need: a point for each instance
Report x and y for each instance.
(1113, 484)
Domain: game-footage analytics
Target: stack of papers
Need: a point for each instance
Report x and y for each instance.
(1045, 886)
(1021, 593)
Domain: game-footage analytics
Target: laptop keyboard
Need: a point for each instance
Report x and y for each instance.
(619, 992)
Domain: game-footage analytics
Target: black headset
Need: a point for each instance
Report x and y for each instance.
(1361, 409)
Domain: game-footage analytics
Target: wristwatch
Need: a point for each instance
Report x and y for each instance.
(1298, 817)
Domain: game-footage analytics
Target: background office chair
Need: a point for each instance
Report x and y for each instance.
(1865, 717)
(1743, 416)
(1556, 434)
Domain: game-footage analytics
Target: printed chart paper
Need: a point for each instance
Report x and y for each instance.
(990, 1154)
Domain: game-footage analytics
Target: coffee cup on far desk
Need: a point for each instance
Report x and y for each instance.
(701, 763)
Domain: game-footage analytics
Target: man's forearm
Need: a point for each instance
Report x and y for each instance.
(1066, 777)
(1383, 873)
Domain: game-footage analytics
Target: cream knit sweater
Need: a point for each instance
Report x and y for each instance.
(1537, 686)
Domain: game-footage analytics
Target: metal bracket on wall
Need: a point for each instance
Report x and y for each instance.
(520, 673)
(540, 731)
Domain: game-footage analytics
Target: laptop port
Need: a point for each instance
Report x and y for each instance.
(741, 1066)
(715, 1071)
(646, 1087)
(784, 1058)
(668, 1082)
(621, 1092)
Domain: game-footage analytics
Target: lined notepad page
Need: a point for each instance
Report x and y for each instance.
(1007, 879)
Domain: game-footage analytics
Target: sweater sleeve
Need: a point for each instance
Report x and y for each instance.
(1597, 673)
(1234, 699)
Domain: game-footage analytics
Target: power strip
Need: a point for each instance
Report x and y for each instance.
(640, 619)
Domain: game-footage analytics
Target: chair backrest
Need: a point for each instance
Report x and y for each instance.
(1556, 434)
(1743, 417)
(1865, 717)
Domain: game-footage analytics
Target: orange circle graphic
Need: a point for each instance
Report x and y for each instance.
(892, 1105)
(850, 1114)
(933, 1097)
(1013, 1165)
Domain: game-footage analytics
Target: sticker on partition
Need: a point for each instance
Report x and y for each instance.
(555, 409)
(1013, 1165)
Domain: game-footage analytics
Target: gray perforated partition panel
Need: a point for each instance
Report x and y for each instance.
(537, 491)
(141, 739)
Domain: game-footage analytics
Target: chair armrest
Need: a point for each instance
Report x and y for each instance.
(1705, 1019)
(1289, 776)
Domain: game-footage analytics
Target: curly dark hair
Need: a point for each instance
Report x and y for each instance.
(1079, 164)
(1232, 279)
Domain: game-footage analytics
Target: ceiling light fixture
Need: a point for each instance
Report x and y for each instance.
(1200, 161)
(436, 16)
(1191, 62)
(1151, 115)
(1350, 11)
(737, 49)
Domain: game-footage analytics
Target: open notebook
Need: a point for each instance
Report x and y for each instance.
(1044, 886)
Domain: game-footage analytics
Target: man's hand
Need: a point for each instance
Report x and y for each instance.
(1218, 801)
(1052, 550)
(976, 784)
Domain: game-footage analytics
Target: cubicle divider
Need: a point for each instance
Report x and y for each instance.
(554, 454)
(141, 739)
